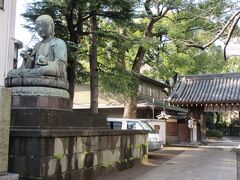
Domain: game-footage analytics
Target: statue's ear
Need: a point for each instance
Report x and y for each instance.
(53, 27)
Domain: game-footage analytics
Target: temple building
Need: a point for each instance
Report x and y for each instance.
(206, 93)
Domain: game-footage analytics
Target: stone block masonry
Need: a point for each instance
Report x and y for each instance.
(50, 141)
(73, 154)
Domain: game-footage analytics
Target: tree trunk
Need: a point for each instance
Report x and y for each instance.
(218, 119)
(71, 80)
(121, 63)
(130, 109)
(71, 61)
(93, 65)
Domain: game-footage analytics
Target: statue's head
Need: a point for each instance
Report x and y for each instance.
(45, 26)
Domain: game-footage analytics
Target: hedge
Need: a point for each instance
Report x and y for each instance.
(214, 133)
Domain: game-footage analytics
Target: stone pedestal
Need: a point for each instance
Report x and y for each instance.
(50, 141)
(5, 107)
(47, 112)
(198, 115)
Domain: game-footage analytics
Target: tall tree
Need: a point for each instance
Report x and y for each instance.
(172, 40)
(74, 16)
(93, 65)
(169, 35)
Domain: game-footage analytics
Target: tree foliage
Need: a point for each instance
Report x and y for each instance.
(74, 21)
(173, 37)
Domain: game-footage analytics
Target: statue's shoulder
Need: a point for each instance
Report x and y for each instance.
(57, 41)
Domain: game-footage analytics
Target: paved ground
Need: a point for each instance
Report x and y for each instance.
(196, 164)
(155, 159)
(213, 161)
(238, 166)
(225, 142)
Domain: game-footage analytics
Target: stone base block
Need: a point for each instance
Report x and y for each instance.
(55, 118)
(10, 176)
(73, 154)
(40, 102)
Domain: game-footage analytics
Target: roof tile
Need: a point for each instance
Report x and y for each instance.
(207, 89)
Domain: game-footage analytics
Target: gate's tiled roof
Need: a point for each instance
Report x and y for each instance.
(207, 89)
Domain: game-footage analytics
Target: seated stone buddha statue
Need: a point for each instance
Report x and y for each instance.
(45, 66)
(49, 56)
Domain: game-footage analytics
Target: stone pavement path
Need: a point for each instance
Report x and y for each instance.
(196, 164)
(176, 163)
(225, 142)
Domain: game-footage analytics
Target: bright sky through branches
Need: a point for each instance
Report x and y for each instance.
(25, 36)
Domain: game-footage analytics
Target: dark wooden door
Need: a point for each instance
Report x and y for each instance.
(198, 132)
(183, 132)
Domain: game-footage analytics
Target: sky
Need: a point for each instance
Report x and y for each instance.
(21, 33)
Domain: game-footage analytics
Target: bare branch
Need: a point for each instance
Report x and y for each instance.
(158, 7)
(167, 17)
(230, 35)
(163, 6)
(234, 16)
(164, 12)
(86, 17)
(147, 7)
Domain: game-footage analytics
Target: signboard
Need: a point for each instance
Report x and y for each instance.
(1, 4)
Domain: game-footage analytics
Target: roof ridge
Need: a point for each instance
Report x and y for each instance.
(211, 76)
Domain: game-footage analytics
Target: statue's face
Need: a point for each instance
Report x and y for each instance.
(44, 29)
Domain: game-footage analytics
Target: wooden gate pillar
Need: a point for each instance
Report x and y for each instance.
(198, 114)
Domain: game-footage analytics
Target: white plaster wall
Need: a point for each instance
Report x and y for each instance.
(194, 140)
(7, 28)
(162, 124)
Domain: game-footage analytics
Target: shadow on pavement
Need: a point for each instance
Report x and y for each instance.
(238, 165)
(155, 159)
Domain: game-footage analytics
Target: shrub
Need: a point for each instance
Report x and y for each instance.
(234, 127)
(214, 133)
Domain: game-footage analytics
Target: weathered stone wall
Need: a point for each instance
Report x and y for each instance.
(59, 155)
(50, 141)
(5, 106)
